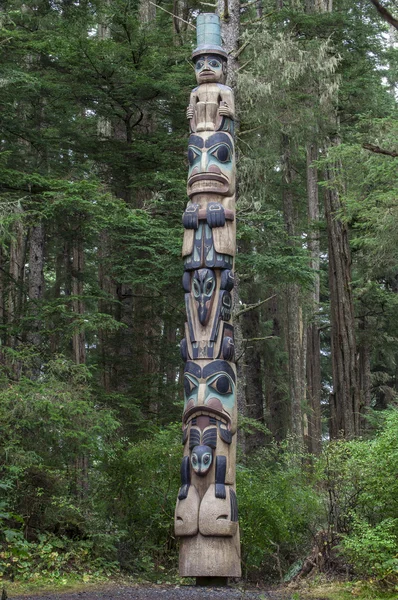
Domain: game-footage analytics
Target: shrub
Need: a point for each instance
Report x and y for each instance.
(279, 509)
(362, 486)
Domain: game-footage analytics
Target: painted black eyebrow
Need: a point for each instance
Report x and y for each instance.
(195, 140)
(193, 369)
(218, 138)
(209, 57)
(218, 366)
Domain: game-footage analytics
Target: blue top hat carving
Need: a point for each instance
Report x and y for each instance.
(208, 35)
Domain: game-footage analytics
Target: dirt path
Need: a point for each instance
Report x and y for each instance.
(185, 592)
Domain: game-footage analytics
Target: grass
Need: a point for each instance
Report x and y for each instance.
(314, 590)
(333, 590)
(67, 583)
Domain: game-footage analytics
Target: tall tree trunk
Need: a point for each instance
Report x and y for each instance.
(252, 382)
(295, 330)
(275, 375)
(345, 398)
(364, 372)
(314, 382)
(35, 280)
(79, 341)
(106, 306)
(17, 272)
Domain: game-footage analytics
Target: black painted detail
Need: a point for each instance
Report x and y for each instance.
(193, 368)
(189, 317)
(203, 252)
(234, 505)
(216, 366)
(226, 305)
(227, 280)
(203, 288)
(183, 493)
(215, 214)
(228, 349)
(195, 140)
(225, 434)
(190, 218)
(217, 138)
(221, 470)
(185, 478)
(186, 281)
(210, 437)
(194, 438)
(184, 436)
(201, 459)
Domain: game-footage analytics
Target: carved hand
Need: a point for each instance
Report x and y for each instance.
(225, 111)
(190, 111)
(215, 215)
(190, 218)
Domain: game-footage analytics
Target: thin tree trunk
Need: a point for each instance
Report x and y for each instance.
(314, 381)
(252, 382)
(275, 375)
(35, 280)
(79, 342)
(364, 372)
(17, 271)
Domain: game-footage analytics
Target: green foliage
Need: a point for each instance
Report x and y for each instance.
(139, 490)
(279, 511)
(362, 488)
(51, 558)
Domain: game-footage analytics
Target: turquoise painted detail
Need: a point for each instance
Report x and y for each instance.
(208, 35)
(208, 30)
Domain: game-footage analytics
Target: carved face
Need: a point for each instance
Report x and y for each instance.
(201, 459)
(211, 391)
(211, 160)
(210, 69)
(203, 288)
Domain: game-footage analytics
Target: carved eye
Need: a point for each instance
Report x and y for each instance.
(199, 65)
(214, 63)
(209, 286)
(206, 459)
(194, 460)
(189, 386)
(222, 385)
(222, 153)
(227, 301)
(193, 154)
(196, 288)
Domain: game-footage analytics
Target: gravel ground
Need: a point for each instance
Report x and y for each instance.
(185, 592)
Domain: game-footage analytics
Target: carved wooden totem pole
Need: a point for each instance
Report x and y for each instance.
(206, 515)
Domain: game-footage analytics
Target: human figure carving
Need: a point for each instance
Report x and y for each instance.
(212, 101)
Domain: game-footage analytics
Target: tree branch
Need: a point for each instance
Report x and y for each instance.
(252, 307)
(172, 14)
(260, 339)
(379, 150)
(387, 16)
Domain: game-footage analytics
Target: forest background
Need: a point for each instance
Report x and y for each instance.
(92, 188)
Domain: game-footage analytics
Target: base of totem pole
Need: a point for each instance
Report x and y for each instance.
(211, 581)
(207, 557)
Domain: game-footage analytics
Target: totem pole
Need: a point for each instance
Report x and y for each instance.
(206, 515)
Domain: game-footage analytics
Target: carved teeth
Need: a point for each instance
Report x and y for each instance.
(207, 413)
(202, 185)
